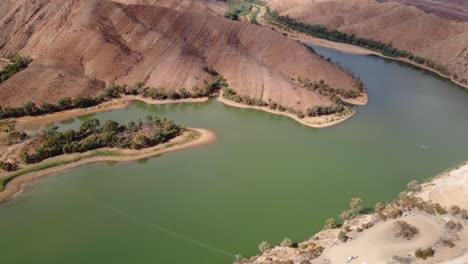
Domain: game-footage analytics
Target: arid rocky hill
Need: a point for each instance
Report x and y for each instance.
(450, 9)
(415, 29)
(79, 46)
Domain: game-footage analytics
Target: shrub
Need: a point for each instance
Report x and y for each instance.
(330, 223)
(355, 209)
(342, 236)
(7, 166)
(414, 186)
(379, 207)
(264, 246)
(424, 253)
(404, 230)
(286, 242)
(454, 210)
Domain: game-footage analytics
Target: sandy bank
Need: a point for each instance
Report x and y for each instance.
(185, 141)
(315, 122)
(450, 188)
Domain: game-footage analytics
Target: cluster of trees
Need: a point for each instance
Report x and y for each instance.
(17, 63)
(230, 94)
(355, 208)
(91, 135)
(327, 90)
(324, 110)
(237, 8)
(320, 31)
(111, 92)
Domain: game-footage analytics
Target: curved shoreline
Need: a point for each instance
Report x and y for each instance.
(16, 185)
(32, 122)
(349, 48)
(314, 122)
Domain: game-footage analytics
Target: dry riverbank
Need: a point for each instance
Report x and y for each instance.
(192, 138)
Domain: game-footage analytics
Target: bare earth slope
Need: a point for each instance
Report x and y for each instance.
(80, 45)
(406, 27)
(450, 9)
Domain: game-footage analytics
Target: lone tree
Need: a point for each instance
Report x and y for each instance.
(286, 242)
(355, 209)
(330, 224)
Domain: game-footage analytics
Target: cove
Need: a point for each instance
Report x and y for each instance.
(266, 178)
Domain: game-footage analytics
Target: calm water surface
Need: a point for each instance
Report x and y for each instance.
(265, 178)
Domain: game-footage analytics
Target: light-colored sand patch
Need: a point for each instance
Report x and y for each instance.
(378, 244)
(125, 155)
(315, 122)
(449, 189)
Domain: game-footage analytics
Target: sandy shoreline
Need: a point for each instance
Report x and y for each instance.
(315, 122)
(449, 188)
(16, 185)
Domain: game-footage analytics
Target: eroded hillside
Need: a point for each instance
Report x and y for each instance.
(79, 46)
(404, 26)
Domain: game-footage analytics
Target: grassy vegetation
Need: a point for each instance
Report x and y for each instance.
(241, 8)
(91, 135)
(191, 136)
(17, 63)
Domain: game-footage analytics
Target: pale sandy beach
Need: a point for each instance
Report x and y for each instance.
(450, 188)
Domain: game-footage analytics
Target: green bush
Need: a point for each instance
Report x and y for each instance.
(17, 64)
(424, 253)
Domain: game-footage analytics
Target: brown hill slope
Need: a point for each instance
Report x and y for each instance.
(450, 9)
(79, 45)
(406, 27)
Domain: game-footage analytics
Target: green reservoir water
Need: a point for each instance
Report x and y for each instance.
(266, 178)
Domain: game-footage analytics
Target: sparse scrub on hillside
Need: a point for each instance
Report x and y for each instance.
(17, 63)
(111, 92)
(323, 32)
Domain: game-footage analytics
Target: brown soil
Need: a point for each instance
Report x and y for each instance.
(79, 46)
(406, 27)
(449, 9)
